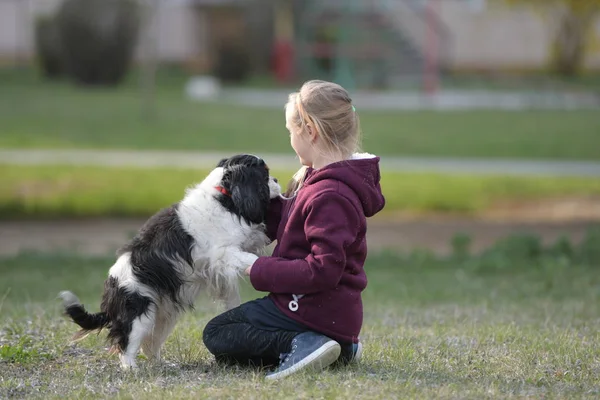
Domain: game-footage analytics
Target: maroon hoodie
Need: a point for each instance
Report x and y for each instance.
(315, 275)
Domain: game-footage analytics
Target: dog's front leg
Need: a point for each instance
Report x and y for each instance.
(152, 344)
(260, 245)
(225, 267)
(241, 260)
(238, 259)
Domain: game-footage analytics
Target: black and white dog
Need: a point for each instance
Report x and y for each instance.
(201, 243)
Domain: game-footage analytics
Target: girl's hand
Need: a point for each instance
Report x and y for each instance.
(248, 270)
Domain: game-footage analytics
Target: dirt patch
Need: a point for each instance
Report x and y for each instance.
(549, 219)
(104, 236)
(568, 209)
(436, 234)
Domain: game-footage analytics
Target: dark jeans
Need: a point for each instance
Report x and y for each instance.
(256, 333)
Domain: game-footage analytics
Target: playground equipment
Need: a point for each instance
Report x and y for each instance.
(363, 43)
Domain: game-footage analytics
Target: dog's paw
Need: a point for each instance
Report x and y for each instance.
(274, 188)
(128, 363)
(133, 369)
(241, 260)
(247, 259)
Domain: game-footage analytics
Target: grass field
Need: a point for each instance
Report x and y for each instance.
(38, 114)
(61, 191)
(519, 321)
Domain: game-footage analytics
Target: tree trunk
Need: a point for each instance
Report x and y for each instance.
(570, 43)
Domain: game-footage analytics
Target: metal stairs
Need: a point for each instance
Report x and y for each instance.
(370, 44)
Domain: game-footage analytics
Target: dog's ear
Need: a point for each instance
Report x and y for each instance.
(249, 193)
(222, 162)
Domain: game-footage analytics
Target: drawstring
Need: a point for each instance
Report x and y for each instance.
(293, 305)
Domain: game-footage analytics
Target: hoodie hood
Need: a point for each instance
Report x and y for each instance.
(360, 173)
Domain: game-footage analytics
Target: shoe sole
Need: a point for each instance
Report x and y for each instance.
(318, 360)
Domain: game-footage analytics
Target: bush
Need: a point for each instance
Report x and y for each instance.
(233, 63)
(98, 39)
(48, 46)
(589, 250)
(519, 251)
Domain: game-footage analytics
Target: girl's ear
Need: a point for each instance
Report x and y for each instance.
(311, 133)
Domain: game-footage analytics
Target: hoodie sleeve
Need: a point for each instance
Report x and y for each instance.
(274, 217)
(331, 225)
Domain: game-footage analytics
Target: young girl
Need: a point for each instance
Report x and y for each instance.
(313, 313)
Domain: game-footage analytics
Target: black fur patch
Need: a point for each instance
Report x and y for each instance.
(85, 320)
(160, 242)
(119, 308)
(122, 308)
(246, 177)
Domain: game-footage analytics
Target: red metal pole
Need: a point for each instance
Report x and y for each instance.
(283, 50)
(431, 78)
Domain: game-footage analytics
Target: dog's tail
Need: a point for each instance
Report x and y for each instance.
(78, 314)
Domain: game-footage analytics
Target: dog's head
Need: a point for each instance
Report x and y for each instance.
(247, 187)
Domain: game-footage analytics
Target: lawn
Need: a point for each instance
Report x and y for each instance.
(518, 321)
(38, 114)
(62, 191)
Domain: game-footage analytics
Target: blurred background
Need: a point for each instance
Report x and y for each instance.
(486, 113)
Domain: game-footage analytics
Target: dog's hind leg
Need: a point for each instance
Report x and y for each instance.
(152, 344)
(140, 329)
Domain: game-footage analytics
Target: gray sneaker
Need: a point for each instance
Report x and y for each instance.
(310, 351)
(350, 354)
(357, 349)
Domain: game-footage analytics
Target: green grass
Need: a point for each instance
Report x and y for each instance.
(518, 321)
(62, 191)
(38, 114)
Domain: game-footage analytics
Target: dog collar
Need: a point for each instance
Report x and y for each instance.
(223, 190)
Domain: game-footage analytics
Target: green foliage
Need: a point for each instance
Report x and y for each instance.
(574, 21)
(527, 251)
(233, 63)
(575, 6)
(63, 191)
(48, 47)
(98, 38)
(563, 248)
(461, 246)
(518, 247)
(589, 251)
(22, 352)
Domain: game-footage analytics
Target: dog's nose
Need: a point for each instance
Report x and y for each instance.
(275, 179)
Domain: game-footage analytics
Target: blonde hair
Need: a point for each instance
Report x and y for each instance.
(327, 108)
